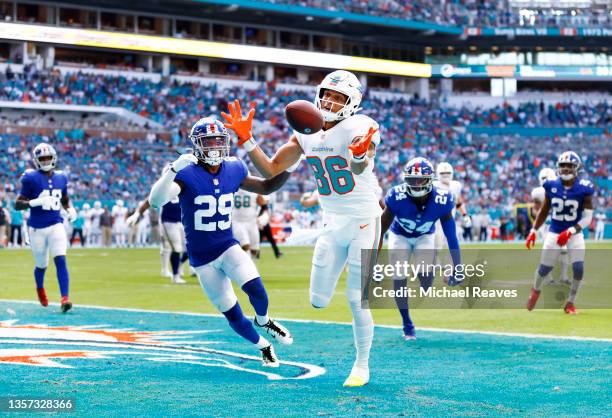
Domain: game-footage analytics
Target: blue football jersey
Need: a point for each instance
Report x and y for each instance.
(37, 183)
(171, 211)
(566, 204)
(207, 201)
(412, 221)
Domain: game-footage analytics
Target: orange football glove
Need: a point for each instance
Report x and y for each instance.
(239, 124)
(361, 146)
(531, 239)
(564, 236)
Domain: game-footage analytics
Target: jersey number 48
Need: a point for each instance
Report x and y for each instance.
(56, 205)
(223, 206)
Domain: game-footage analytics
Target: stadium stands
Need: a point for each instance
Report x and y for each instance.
(497, 170)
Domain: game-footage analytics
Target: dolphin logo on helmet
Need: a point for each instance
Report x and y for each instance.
(343, 82)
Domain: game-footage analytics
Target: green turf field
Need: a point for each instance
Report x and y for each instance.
(130, 278)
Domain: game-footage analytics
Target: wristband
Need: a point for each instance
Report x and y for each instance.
(533, 231)
(572, 230)
(249, 145)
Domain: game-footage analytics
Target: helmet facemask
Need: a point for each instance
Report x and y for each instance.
(211, 150)
(567, 171)
(328, 115)
(418, 186)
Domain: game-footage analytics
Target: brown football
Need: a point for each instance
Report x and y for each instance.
(304, 117)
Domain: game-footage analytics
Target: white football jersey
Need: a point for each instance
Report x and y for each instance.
(245, 206)
(342, 192)
(538, 194)
(454, 187)
(119, 213)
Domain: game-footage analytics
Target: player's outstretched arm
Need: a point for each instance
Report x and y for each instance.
(165, 189)
(264, 186)
(242, 125)
(133, 218)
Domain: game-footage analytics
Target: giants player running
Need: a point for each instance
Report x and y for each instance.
(537, 196)
(205, 183)
(444, 181)
(245, 220)
(571, 201)
(44, 191)
(340, 156)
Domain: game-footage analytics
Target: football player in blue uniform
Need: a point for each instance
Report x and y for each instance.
(412, 209)
(45, 191)
(571, 201)
(205, 183)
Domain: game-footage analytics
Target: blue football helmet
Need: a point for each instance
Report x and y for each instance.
(419, 176)
(211, 140)
(568, 165)
(44, 151)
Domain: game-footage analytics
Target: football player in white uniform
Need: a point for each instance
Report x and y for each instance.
(444, 181)
(538, 195)
(244, 218)
(119, 214)
(86, 214)
(95, 232)
(341, 158)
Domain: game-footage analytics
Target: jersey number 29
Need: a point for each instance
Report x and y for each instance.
(223, 206)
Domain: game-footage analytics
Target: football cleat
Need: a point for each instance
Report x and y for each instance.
(166, 273)
(566, 281)
(276, 330)
(178, 280)
(533, 299)
(66, 304)
(570, 309)
(268, 357)
(42, 296)
(409, 334)
(549, 280)
(358, 377)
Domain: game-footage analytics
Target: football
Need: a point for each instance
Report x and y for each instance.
(304, 117)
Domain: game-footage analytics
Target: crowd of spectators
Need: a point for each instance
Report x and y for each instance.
(465, 12)
(497, 171)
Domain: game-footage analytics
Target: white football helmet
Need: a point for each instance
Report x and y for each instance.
(119, 203)
(346, 83)
(86, 206)
(546, 174)
(44, 150)
(444, 172)
(97, 205)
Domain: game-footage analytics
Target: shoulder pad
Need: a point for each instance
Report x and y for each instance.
(28, 171)
(59, 171)
(231, 159)
(586, 183)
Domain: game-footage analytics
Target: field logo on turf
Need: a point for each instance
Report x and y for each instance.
(57, 346)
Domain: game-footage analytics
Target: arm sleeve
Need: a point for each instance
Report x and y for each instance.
(450, 232)
(26, 187)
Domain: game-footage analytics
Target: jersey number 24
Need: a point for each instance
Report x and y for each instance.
(223, 205)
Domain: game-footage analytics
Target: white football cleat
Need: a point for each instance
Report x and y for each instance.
(358, 377)
(276, 330)
(268, 357)
(178, 280)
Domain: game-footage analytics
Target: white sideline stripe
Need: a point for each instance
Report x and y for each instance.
(315, 321)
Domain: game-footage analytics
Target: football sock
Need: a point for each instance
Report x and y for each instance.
(578, 268)
(540, 274)
(62, 274)
(175, 259)
(39, 276)
(564, 265)
(184, 257)
(402, 303)
(242, 325)
(164, 259)
(259, 299)
(363, 329)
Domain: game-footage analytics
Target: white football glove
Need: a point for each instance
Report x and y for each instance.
(72, 214)
(467, 221)
(46, 201)
(132, 219)
(183, 161)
